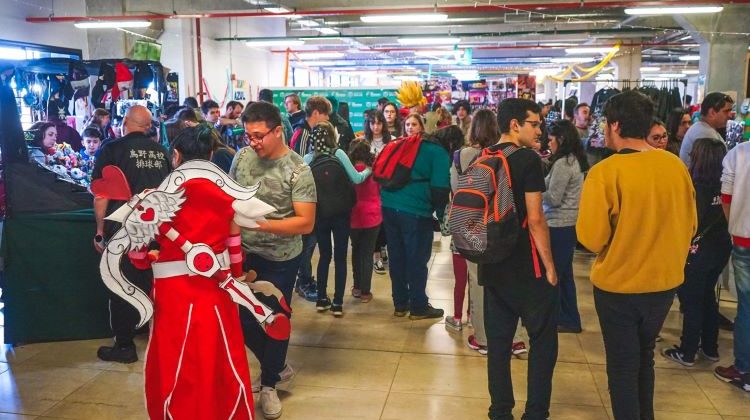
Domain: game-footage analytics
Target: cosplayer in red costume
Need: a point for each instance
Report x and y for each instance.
(196, 366)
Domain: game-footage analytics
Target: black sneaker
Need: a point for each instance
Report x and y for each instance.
(323, 304)
(429, 312)
(400, 312)
(676, 355)
(119, 354)
(337, 310)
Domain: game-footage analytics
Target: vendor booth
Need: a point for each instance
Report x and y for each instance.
(52, 288)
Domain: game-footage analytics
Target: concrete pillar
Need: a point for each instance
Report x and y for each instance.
(627, 64)
(106, 43)
(723, 48)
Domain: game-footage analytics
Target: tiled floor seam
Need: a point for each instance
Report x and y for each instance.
(73, 392)
(390, 387)
(708, 397)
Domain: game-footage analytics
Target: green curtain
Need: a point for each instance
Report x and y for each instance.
(53, 290)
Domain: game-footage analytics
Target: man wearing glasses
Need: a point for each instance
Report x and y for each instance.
(274, 247)
(524, 285)
(716, 109)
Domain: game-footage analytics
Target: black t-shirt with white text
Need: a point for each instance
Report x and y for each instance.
(144, 162)
(526, 176)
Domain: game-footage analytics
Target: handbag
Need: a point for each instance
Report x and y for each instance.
(695, 243)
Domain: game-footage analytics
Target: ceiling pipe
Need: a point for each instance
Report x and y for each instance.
(531, 7)
(487, 47)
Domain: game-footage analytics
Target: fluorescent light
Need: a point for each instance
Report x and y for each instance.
(650, 69)
(327, 31)
(689, 58)
(275, 43)
(572, 59)
(111, 24)
(673, 75)
(279, 9)
(556, 44)
(589, 50)
(407, 78)
(429, 41)
(314, 55)
(12, 54)
(673, 10)
(433, 53)
(691, 71)
(308, 22)
(409, 17)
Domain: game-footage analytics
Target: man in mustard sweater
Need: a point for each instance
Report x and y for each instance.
(637, 213)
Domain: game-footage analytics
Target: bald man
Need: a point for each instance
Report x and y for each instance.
(145, 164)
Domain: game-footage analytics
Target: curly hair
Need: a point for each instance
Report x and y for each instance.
(359, 151)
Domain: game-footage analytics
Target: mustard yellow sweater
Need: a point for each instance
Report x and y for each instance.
(638, 214)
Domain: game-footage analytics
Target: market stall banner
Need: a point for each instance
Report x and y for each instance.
(52, 288)
(359, 100)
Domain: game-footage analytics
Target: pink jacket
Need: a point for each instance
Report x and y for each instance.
(367, 212)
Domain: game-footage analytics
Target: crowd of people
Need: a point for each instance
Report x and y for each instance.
(328, 193)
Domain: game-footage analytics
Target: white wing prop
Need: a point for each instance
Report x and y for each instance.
(116, 249)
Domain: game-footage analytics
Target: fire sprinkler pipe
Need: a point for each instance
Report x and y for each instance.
(530, 7)
(487, 47)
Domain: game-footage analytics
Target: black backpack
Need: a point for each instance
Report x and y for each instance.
(335, 190)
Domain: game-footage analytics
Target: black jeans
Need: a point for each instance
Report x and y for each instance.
(536, 302)
(700, 325)
(122, 316)
(363, 246)
(338, 226)
(270, 352)
(630, 324)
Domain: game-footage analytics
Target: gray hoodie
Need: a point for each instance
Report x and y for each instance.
(563, 194)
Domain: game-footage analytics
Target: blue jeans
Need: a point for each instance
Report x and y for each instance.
(741, 263)
(305, 276)
(409, 248)
(338, 226)
(563, 242)
(270, 352)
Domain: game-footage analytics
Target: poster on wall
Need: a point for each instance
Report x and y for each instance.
(358, 99)
(527, 86)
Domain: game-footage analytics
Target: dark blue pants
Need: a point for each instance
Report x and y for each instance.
(563, 241)
(409, 248)
(338, 227)
(271, 353)
(305, 276)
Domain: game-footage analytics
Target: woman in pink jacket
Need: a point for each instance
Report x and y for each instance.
(365, 222)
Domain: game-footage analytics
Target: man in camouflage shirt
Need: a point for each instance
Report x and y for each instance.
(273, 249)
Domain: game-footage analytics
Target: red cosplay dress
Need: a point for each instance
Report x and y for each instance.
(196, 366)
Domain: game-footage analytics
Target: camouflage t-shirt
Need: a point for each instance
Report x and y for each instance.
(282, 182)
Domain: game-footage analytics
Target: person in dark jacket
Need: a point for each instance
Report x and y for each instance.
(709, 254)
(346, 133)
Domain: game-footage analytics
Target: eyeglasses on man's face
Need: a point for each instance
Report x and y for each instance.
(256, 137)
(533, 124)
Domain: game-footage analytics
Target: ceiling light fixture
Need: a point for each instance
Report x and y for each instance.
(315, 55)
(275, 43)
(672, 75)
(328, 31)
(651, 11)
(112, 24)
(308, 23)
(429, 41)
(589, 50)
(573, 60)
(650, 69)
(433, 53)
(689, 58)
(691, 71)
(279, 9)
(409, 17)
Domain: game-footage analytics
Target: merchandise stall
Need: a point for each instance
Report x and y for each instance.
(52, 289)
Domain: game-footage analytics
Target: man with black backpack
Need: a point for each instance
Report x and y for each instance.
(524, 284)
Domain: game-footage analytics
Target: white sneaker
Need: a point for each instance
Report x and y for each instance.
(269, 403)
(286, 375)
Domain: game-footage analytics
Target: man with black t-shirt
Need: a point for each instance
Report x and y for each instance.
(145, 165)
(525, 284)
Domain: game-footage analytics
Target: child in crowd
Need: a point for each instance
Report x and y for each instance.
(377, 135)
(92, 141)
(365, 222)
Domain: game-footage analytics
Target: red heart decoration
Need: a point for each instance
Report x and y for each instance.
(112, 185)
(148, 215)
